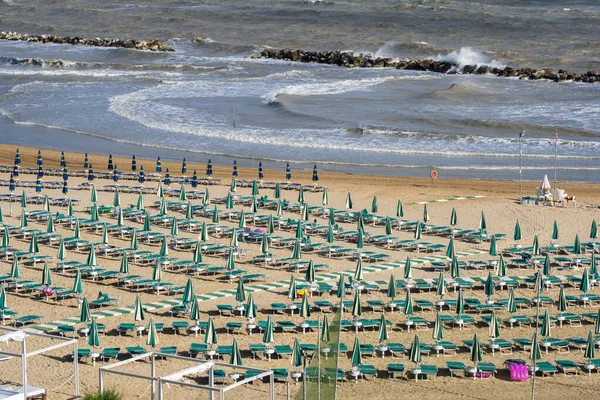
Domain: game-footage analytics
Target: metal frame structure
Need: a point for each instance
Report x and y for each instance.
(174, 378)
(24, 355)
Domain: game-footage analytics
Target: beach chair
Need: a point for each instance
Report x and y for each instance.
(545, 368)
(197, 348)
(394, 370)
(286, 326)
(27, 319)
(424, 371)
(125, 327)
(110, 353)
(225, 309)
(561, 346)
(487, 368)
(135, 350)
(233, 327)
(456, 366)
(367, 370)
(83, 353)
(167, 351)
(280, 373)
(64, 330)
(283, 350)
(179, 326)
(567, 366)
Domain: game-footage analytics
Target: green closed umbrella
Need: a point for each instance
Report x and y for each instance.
(94, 338)
(133, 243)
(140, 202)
(120, 221)
(70, 208)
(215, 218)
(234, 243)
(501, 270)
(597, 324)
(482, 222)
(383, 333)
(77, 285)
(454, 268)
(230, 260)
(104, 235)
(138, 312)
(197, 258)
(229, 201)
(356, 305)
(590, 351)
(254, 205)
(399, 209)
(279, 211)
(535, 353)
(349, 201)
(14, 269)
(340, 287)
(182, 195)
(453, 217)
(476, 355)
(441, 285)
(494, 328)
(547, 263)
(242, 223)
(85, 315)
(325, 332)
(330, 237)
(24, 223)
(3, 304)
(356, 353)
(392, 288)
(545, 329)
(188, 292)
(240, 293)
(360, 241)
(152, 335)
(594, 230)
(374, 205)
(585, 281)
(160, 191)
(94, 195)
(264, 244)
(418, 231)
(493, 250)
(124, 267)
(425, 213)
(23, 200)
(235, 356)
(489, 286)
(6, 237)
(331, 216)
(408, 304)
(62, 251)
(450, 250)
(299, 234)
(251, 308)
(174, 227)
(305, 212)
(254, 188)
(50, 228)
(415, 351)
(460, 303)
(147, 224)
(46, 277)
(117, 199)
(301, 195)
(296, 354)
(268, 336)
(325, 197)
(305, 308)
(297, 251)
(437, 334)
(33, 245)
(517, 232)
(270, 225)
(555, 231)
(407, 268)
(204, 233)
(157, 271)
(512, 304)
(206, 199)
(388, 226)
(164, 248)
(210, 337)
(358, 272)
(577, 245)
(94, 215)
(195, 310)
(539, 282)
(233, 186)
(360, 224)
(292, 291)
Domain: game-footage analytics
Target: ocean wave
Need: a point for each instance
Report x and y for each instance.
(468, 56)
(397, 50)
(336, 87)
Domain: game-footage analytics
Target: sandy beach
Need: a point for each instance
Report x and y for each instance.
(498, 201)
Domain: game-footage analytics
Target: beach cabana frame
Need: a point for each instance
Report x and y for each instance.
(21, 336)
(175, 378)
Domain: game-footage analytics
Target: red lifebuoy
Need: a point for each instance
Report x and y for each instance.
(433, 174)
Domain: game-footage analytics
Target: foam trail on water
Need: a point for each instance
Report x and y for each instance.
(468, 56)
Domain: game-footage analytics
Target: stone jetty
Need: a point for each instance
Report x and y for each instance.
(351, 60)
(152, 45)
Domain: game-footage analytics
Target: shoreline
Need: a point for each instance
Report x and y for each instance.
(507, 189)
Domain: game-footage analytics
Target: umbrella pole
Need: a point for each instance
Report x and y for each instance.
(319, 360)
(537, 323)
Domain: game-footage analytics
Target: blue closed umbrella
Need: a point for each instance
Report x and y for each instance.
(167, 180)
(133, 163)
(195, 180)
(260, 171)
(18, 157)
(209, 168)
(62, 158)
(116, 174)
(40, 161)
(86, 162)
(235, 171)
(141, 176)
(158, 165)
(288, 173)
(315, 176)
(65, 188)
(38, 186)
(183, 166)
(110, 162)
(90, 176)
(16, 172)
(65, 174)
(11, 183)
(40, 173)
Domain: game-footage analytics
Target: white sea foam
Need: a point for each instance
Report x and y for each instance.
(468, 56)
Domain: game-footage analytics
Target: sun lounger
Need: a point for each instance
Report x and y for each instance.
(561, 346)
(567, 366)
(395, 369)
(283, 350)
(27, 319)
(179, 326)
(487, 368)
(197, 348)
(125, 327)
(233, 326)
(225, 309)
(168, 351)
(424, 371)
(135, 350)
(286, 326)
(456, 366)
(367, 370)
(64, 330)
(545, 368)
(110, 352)
(83, 353)
(523, 343)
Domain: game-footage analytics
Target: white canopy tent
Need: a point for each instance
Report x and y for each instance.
(19, 335)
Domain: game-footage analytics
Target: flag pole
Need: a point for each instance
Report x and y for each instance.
(521, 135)
(537, 324)
(555, 163)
